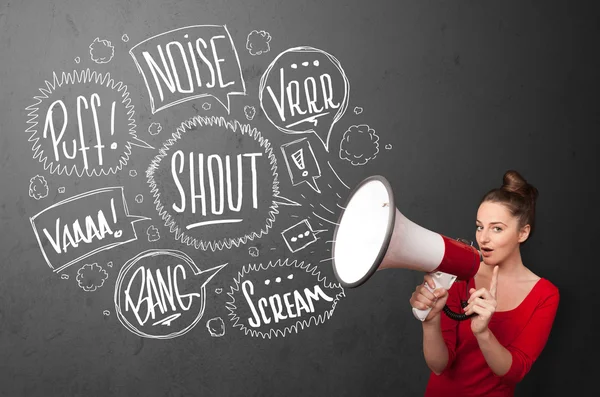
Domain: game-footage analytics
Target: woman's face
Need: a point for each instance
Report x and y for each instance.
(498, 233)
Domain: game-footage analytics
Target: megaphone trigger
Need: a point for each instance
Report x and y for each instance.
(441, 280)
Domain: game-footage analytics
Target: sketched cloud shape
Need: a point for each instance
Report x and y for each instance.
(86, 277)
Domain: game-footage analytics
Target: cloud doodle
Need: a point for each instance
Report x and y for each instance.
(153, 234)
(90, 277)
(38, 187)
(154, 128)
(258, 42)
(101, 51)
(359, 145)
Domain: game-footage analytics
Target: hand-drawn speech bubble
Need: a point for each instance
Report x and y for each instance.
(161, 294)
(304, 90)
(301, 163)
(215, 183)
(80, 226)
(266, 302)
(82, 122)
(188, 63)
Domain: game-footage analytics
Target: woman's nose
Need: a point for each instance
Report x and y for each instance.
(484, 236)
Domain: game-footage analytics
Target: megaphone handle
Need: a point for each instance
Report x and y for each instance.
(441, 280)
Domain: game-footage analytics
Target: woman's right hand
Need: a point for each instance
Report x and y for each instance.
(423, 299)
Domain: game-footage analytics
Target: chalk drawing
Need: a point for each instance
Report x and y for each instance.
(97, 139)
(207, 194)
(300, 235)
(153, 234)
(161, 294)
(304, 90)
(90, 277)
(101, 51)
(154, 128)
(277, 309)
(359, 145)
(80, 226)
(183, 64)
(258, 42)
(302, 165)
(249, 111)
(216, 327)
(38, 187)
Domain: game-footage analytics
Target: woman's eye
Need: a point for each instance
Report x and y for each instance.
(497, 229)
(478, 228)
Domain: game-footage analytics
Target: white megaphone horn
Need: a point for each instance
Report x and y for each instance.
(372, 234)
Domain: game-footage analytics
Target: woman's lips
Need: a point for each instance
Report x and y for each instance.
(486, 252)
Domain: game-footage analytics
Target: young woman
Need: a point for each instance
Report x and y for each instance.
(513, 308)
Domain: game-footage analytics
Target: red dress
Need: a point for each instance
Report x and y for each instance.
(523, 331)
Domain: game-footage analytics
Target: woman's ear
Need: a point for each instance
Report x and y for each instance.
(524, 233)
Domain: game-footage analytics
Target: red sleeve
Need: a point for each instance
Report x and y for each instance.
(530, 343)
(450, 327)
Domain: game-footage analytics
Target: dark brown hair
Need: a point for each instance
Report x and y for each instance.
(518, 196)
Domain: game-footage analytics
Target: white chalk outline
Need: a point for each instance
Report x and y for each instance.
(246, 108)
(352, 160)
(215, 335)
(300, 324)
(33, 185)
(103, 248)
(188, 261)
(232, 126)
(341, 110)
(267, 41)
(312, 232)
(108, 45)
(289, 168)
(83, 76)
(91, 268)
(189, 98)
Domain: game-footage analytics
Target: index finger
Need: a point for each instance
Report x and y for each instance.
(494, 282)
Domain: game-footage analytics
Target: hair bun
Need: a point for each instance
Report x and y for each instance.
(515, 183)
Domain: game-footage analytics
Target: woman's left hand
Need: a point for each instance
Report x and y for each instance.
(483, 302)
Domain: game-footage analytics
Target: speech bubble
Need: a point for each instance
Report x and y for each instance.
(300, 235)
(280, 298)
(304, 90)
(301, 163)
(83, 122)
(80, 226)
(189, 63)
(161, 294)
(215, 183)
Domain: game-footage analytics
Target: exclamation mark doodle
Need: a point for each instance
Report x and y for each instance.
(118, 233)
(112, 125)
(298, 158)
(301, 163)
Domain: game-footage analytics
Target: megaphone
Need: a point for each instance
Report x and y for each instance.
(371, 234)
